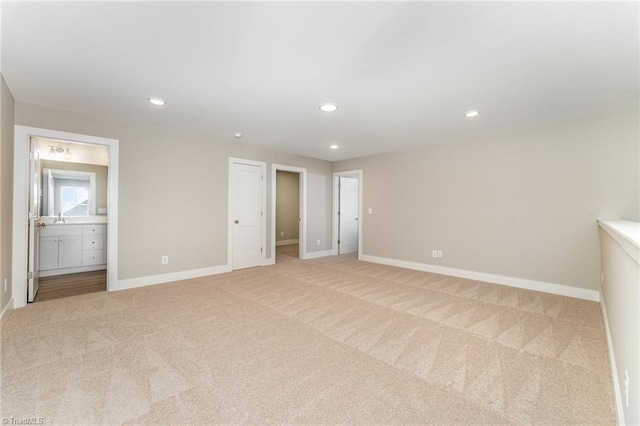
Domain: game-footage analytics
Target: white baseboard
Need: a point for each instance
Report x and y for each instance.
(559, 289)
(614, 370)
(173, 276)
(286, 242)
(269, 261)
(64, 271)
(6, 313)
(317, 254)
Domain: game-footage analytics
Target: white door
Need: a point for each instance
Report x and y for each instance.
(34, 215)
(247, 201)
(348, 215)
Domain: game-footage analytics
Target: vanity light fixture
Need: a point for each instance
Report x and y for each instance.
(333, 146)
(328, 107)
(53, 150)
(472, 113)
(153, 100)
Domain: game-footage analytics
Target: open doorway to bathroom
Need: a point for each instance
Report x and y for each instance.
(27, 210)
(68, 242)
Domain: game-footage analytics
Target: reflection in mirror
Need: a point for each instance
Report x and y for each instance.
(68, 192)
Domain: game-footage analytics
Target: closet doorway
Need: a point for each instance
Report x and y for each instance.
(288, 213)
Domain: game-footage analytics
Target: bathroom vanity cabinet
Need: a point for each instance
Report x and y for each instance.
(67, 249)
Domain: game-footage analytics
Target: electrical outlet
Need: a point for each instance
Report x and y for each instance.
(370, 210)
(436, 253)
(282, 234)
(5, 284)
(439, 253)
(626, 388)
(318, 242)
(165, 260)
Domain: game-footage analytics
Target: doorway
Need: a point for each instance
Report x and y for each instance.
(287, 215)
(247, 208)
(70, 240)
(291, 179)
(70, 219)
(347, 214)
(347, 210)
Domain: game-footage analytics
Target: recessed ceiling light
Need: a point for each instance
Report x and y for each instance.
(333, 146)
(472, 113)
(157, 101)
(237, 135)
(328, 107)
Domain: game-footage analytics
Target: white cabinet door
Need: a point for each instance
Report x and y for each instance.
(70, 251)
(48, 253)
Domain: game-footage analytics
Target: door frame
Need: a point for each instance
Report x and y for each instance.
(336, 205)
(20, 205)
(263, 167)
(302, 206)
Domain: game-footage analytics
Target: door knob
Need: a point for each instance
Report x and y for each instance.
(236, 221)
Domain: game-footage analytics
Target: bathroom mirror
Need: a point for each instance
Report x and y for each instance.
(68, 192)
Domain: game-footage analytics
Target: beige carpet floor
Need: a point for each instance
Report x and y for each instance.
(327, 341)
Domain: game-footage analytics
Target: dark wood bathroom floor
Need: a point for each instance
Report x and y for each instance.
(71, 285)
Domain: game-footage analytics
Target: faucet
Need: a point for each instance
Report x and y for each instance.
(59, 218)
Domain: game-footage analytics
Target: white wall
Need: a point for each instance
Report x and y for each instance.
(173, 191)
(6, 190)
(518, 204)
(621, 297)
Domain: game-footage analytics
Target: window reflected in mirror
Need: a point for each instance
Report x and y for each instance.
(68, 192)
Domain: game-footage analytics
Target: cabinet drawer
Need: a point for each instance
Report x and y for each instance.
(93, 242)
(93, 257)
(94, 229)
(58, 230)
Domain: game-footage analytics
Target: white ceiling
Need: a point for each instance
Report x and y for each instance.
(402, 73)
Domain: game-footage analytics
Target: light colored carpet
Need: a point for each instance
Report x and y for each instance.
(287, 253)
(327, 341)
